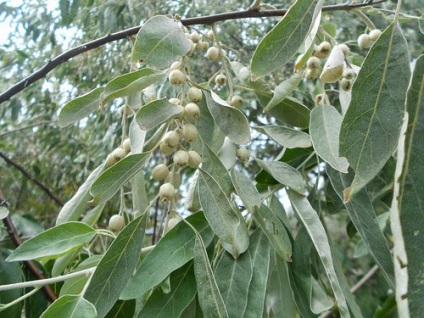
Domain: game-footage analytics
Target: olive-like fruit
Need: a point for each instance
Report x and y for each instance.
(116, 223)
(160, 172)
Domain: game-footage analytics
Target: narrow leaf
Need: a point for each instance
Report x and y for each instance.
(292, 112)
(70, 306)
(80, 107)
(110, 181)
(172, 304)
(407, 220)
(53, 242)
(155, 113)
(160, 42)
(130, 83)
(316, 231)
(283, 41)
(227, 223)
(283, 90)
(122, 309)
(173, 251)
(116, 267)
(285, 174)
(325, 129)
(286, 137)
(371, 126)
(209, 296)
(232, 122)
(233, 278)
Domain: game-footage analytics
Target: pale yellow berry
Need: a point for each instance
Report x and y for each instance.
(126, 145)
(349, 73)
(165, 148)
(171, 138)
(160, 172)
(116, 223)
(364, 41)
(210, 35)
(220, 79)
(194, 159)
(213, 53)
(176, 77)
(125, 111)
(195, 94)
(191, 110)
(189, 132)
(345, 84)
(374, 34)
(175, 101)
(176, 65)
(313, 62)
(202, 46)
(166, 192)
(345, 49)
(110, 160)
(236, 101)
(311, 74)
(322, 50)
(119, 153)
(243, 155)
(181, 158)
(195, 37)
(319, 99)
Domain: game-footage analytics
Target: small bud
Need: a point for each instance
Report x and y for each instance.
(160, 172)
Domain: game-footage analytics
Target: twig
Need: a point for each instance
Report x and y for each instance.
(31, 177)
(33, 268)
(209, 19)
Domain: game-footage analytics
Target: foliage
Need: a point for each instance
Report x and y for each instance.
(274, 202)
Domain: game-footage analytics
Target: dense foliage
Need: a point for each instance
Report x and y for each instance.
(262, 165)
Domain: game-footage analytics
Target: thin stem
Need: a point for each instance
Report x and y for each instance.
(47, 281)
(18, 300)
(210, 19)
(364, 18)
(48, 122)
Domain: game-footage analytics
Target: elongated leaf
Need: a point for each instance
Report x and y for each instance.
(232, 122)
(371, 126)
(227, 223)
(233, 278)
(160, 42)
(172, 304)
(259, 250)
(80, 107)
(78, 204)
(53, 242)
(316, 231)
(155, 113)
(122, 309)
(283, 41)
(116, 267)
(110, 181)
(70, 306)
(283, 90)
(270, 224)
(325, 129)
(173, 251)
(285, 174)
(292, 112)
(10, 273)
(209, 296)
(287, 137)
(130, 83)
(213, 165)
(408, 202)
(363, 216)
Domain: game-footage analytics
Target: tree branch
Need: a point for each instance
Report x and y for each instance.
(209, 19)
(32, 178)
(33, 268)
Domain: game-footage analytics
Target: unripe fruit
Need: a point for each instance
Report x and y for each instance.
(160, 172)
(189, 132)
(175, 101)
(166, 192)
(210, 35)
(176, 65)
(346, 84)
(244, 73)
(213, 53)
(116, 223)
(165, 149)
(195, 37)
(173, 178)
(119, 153)
(311, 74)
(192, 111)
(176, 77)
(236, 101)
(324, 48)
(172, 222)
(194, 159)
(182, 113)
(202, 46)
(181, 158)
(374, 34)
(318, 99)
(364, 41)
(344, 48)
(110, 160)
(195, 94)
(243, 155)
(171, 138)
(125, 111)
(313, 62)
(349, 73)
(220, 79)
(126, 145)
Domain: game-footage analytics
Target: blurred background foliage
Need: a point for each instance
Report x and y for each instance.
(62, 159)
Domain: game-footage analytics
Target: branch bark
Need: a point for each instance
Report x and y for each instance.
(31, 177)
(209, 19)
